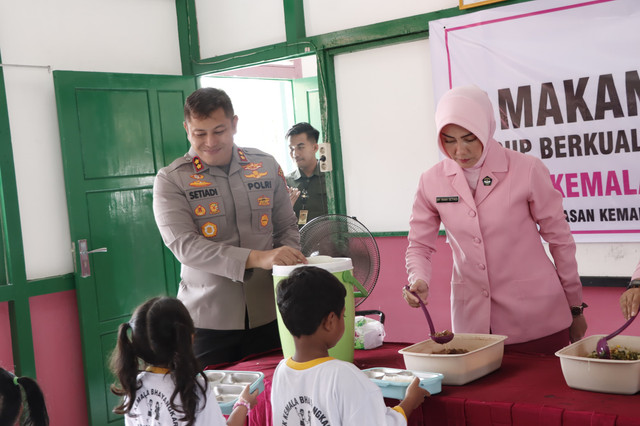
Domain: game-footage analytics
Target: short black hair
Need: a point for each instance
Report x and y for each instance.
(306, 297)
(204, 101)
(296, 129)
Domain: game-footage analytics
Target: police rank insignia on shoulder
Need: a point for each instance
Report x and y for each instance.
(446, 199)
(486, 181)
(197, 163)
(281, 174)
(242, 156)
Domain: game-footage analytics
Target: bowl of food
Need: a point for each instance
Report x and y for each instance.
(582, 369)
(465, 358)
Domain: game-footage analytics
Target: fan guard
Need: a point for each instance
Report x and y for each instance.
(339, 235)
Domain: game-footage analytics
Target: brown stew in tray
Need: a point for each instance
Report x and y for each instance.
(451, 351)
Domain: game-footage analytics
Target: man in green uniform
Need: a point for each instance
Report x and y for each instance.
(307, 184)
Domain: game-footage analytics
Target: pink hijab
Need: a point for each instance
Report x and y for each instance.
(468, 107)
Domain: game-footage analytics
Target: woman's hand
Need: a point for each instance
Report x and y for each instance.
(421, 288)
(578, 328)
(630, 302)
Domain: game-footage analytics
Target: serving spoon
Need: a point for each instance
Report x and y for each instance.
(602, 348)
(441, 338)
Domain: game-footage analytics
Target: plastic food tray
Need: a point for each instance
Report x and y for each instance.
(394, 382)
(600, 375)
(484, 355)
(228, 385)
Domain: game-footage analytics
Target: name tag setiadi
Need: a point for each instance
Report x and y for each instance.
(446, 199)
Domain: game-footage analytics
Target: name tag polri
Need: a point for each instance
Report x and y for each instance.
(446, 199)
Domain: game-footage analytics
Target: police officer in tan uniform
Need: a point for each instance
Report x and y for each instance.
(225, 214)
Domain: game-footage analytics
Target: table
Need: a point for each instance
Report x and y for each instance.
(527, 390)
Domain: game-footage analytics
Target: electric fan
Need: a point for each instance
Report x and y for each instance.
(339, 235)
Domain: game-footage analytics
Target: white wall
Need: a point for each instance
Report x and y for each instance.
(387, 130)
(81, 35)
(227, 26)
(334, 15)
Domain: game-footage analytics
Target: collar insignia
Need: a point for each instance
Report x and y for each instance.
(197, 163)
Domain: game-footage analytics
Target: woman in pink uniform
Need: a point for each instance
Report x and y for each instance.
(495, 204)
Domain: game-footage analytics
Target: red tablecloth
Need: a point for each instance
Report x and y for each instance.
(527, 390)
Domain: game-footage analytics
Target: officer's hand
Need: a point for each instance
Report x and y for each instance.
(294, 193)
(265, 259)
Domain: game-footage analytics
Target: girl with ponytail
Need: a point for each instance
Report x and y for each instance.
(161, 381)
(33, 408)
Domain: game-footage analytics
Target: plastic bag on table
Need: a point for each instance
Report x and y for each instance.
(369, 333)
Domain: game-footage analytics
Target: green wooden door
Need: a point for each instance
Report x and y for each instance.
(116, 131)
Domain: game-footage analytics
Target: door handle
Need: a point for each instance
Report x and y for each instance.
(85, 265)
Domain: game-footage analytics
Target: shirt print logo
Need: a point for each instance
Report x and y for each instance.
(264, 201)
(300, 410)
(213, 208)
(200, 211)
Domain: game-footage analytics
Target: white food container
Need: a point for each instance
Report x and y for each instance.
(228, 385)
(484, 356)
(600, 375)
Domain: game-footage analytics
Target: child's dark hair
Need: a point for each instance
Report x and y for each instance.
(35, 411)
(307, 296)
(161, 335)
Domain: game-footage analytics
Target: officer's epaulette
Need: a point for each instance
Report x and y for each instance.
(180, 161)
(245, 154)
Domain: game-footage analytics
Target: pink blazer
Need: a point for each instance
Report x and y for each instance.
(502, 278)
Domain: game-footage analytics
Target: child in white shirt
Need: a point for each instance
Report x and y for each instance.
(312, 388)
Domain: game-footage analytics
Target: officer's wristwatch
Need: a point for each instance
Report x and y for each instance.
(577, 310)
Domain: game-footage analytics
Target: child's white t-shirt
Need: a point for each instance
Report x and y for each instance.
(152, 404)
(328, 392)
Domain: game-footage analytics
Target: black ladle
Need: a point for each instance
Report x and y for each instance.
(441, 338)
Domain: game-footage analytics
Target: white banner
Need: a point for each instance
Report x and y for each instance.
(563, 77)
